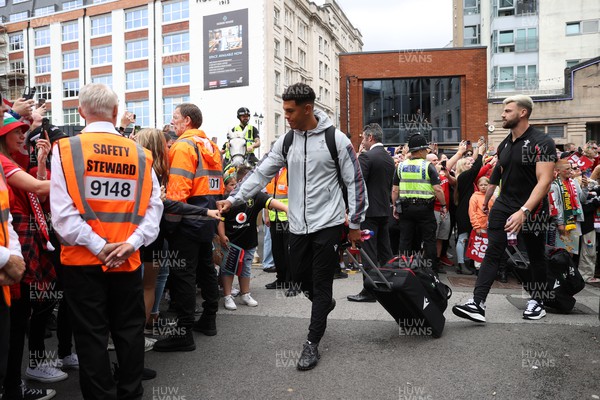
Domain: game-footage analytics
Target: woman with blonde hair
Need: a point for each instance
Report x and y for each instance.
(153, 255)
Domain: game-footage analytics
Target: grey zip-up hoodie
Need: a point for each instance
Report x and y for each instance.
(315, 197)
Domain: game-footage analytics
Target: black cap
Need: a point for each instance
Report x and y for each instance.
(242, 111)
(417, 142)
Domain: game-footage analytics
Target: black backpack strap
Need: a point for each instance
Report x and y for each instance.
(287, 142)
(330, 140)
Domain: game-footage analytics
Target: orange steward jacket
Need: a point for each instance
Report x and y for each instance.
(195, 177)
(109, 179)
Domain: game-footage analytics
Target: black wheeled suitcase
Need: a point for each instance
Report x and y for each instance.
(402, 293)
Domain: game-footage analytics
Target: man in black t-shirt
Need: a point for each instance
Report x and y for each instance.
(525, 168)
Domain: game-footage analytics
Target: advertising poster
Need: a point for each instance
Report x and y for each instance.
(226, 50)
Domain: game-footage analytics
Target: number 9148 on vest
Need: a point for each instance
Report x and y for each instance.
(101, 188)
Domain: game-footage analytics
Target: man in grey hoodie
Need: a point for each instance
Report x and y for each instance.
(316, 204)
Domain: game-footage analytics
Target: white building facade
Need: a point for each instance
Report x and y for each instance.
(218, 54)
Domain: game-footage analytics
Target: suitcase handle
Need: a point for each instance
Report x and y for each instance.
(366, 257)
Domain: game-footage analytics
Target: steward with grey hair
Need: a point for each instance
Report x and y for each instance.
(525, 166)
(97, 102)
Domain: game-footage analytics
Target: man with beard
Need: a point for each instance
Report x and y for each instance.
(525, 166)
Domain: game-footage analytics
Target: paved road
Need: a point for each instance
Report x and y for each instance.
(365, 357)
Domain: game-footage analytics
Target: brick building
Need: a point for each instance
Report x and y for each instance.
(441, 93)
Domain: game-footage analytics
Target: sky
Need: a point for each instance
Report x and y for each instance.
(400, 24)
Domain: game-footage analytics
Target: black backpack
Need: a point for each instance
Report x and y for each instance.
(330, 141)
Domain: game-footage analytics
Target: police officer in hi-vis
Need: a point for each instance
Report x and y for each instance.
(416, 186)
(105, 202)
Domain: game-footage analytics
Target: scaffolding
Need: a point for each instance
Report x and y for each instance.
(11, 82)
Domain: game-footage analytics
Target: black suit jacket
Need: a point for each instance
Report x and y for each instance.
(378, 171)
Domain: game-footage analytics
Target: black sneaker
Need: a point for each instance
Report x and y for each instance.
(534, 310)
(309, 357)
(38, 394)
(470, 310)
(207, 324)
(275, 285)
(176, 343)
(340, 275)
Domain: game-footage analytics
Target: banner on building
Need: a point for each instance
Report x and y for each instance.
(226, 50)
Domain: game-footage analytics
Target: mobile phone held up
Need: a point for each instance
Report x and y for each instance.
(29, 92)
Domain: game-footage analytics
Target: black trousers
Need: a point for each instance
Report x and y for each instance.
(64, 332)
(313, 260)
(378, 247)
(280, 238)
(39, 309)
(4, 337)
(103, 302)
(192, 262)
(495, 253)
(418, 221)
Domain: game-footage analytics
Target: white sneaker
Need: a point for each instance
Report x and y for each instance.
(534, 310)
(70, 361)
(149, 343)
(37, 394)
(248, 300)
(229, 303)
(45, 373)
(235, 292)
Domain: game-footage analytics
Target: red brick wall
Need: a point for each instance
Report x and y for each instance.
(469, 64)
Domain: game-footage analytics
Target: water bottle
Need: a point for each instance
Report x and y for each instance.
(511, 238)
(589, 243)
(366, 234)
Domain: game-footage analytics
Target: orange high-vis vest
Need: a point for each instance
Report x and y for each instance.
(109, 179)
(278, 189)
(195, 169)
(4, 236)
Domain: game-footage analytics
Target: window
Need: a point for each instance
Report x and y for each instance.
(141, 109)
(39, 12)
(288, 48)
(302, 58)
(326, 72)
(288, 77)
(573, 28)
(71, 60)
(506, 8)
(506, 78)
(325, 46)
(471, 7)
(589, 26)
(320, 44)
(17, 66)
(2, 3)
(289, 18)
(176, 43)
(71, 88)
(15, 41)
(176, 74)
(554, 131)
(104, 79)
(70, 31)
(136, 49)
(321, 69)
(135, 19)
(277, 83)
(302, 30)
(527, 40)
(175, 10)
(571, 63)
(71, 116)
(582, 27)
(526, 77)
(277, 125)
(69, 5)
(20, 16)
(505, 42)
(136, 80)
(169, 104)
(102, 25)
(102, 55)
(42, 65)
(276, 16)
(471, 35)
(19, 1)
(44, 92)
(277, 48)
(320, 97)
(42, 37)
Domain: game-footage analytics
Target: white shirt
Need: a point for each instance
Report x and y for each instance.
(70, 226)
(14, 247)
